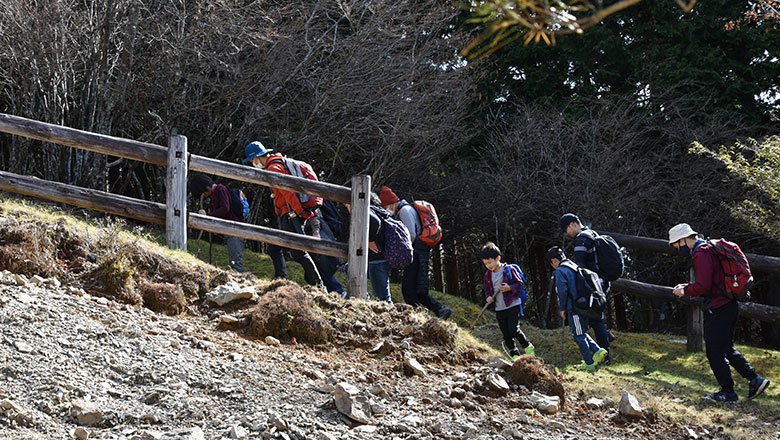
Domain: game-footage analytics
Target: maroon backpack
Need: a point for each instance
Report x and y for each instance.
(735, 268)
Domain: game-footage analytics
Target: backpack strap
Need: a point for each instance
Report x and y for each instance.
(577, 275)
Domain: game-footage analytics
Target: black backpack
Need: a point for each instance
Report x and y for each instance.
(609, 258)
(591, 300)
(239, 205)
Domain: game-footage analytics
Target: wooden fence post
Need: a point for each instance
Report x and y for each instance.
(695, 328)
(357, 271)
(176, 193)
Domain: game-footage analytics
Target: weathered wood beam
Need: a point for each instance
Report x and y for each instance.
(272, 179)
(83, 198)
(152, 212)
(759, 263)
(760, 312)
(71, 137)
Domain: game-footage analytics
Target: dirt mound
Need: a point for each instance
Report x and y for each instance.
(535, 374)
(102, 262)
(286, 312)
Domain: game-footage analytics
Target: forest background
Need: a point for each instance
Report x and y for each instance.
(600, 124)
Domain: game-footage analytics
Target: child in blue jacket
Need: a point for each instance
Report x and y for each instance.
(505, 286)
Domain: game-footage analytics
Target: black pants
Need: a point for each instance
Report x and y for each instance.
(508, 321)
(414, 284)
(311, 274)
(719, 328)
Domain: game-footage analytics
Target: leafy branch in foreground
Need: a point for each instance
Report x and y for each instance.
(758, 163)
(537, 20)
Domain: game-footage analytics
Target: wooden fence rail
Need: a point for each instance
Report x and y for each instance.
(152, 212)
(174, 213)
(758, 263)
(695, 329)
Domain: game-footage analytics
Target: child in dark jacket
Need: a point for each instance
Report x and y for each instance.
(505, 286)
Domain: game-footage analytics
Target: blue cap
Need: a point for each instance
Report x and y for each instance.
(253, 150)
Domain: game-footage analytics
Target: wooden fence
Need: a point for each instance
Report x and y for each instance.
(695, 325)
(174, 214)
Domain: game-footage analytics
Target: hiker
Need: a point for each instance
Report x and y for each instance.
(585, 251)
(505, 287)
(721, 314)
(289, 212)
(330, 226)
(378, 267)
(593, 353)
(201, 187)
(414, 283)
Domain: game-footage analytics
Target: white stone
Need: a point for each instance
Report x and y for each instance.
(629, 406)
(229, 320)
(352, 405)
(414, 366)
(412, 420)
(237, 432)
(195, 434)
(24, 298)
(595, 403)
(545, 404)
(326, 436)
(499, 363)
(37, 280)
(270, 340)
(86, 413)
(497, 384)
(229, 292)
(23, 347)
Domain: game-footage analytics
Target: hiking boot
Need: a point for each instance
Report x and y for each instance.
(590, 368)
(722, 396)
(599, 356)
(530, 350)
(444, 313)
(515, 357)
(757, 386)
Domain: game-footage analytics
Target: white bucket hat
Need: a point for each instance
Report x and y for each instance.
(683, 230)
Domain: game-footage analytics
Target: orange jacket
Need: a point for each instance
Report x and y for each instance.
(283, 199)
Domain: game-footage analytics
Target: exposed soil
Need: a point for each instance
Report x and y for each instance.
(157, 362)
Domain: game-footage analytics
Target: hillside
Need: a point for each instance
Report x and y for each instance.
(84, 353)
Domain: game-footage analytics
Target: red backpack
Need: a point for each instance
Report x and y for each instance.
(735, 268)
(431, 230)
(302, 169)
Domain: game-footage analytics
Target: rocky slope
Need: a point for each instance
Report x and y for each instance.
(81, 366)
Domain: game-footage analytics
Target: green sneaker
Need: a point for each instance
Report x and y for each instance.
(515, 357)
(590, 368)
(599, 356)
(530, 350)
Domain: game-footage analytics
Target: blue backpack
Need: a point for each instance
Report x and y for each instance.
(239, 205)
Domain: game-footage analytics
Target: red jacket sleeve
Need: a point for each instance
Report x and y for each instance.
(284, 199)
(707, 268)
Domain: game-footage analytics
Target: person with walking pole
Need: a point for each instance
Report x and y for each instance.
(504, 285)
(569, 290)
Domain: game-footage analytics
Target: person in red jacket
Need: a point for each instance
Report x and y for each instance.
(289, 213)
(721, 317)
(201, 185)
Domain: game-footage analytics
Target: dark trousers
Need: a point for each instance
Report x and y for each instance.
(414, 284)
(508, 321)
(303, 258)
(719, 328)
